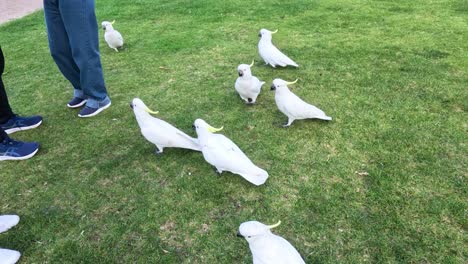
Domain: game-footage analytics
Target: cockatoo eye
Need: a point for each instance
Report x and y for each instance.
(249, 236)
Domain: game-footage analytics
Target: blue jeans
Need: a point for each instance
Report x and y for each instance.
(74, 45)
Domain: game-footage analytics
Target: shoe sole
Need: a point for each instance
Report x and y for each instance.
(9, 256)
(16, 129)
(19, 158)
(77, 105)
(12, 224)
(97, 111)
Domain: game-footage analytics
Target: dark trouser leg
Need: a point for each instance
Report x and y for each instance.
(5, 110)
(3, 134)
(59, 43)
(79, 21)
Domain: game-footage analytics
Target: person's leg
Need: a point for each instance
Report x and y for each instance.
(81, 25)
(5, 110)
(59, 45)
(9, 122)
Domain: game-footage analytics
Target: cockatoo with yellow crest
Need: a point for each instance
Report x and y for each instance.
(224, 155)
(247, 85)
(266, 247)
(113, 38)
(271, 54)
(293, 106)
(159, 132)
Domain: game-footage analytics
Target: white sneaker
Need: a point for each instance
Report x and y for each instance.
(8, 256)
(7, 222)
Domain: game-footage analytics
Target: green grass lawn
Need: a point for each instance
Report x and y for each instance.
(384, 182)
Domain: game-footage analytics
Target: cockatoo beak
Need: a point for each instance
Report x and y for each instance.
(150, 111)
(241, 73)
(288, 83)
(273, 87)
(112, 23)
(239, 234)
(213, 130)
(131, 105)
(275, 225)
(273, 32)
(252, 64)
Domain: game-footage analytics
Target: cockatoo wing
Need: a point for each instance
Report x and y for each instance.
(276, 250)
(274, 56)
(161, 133)
(189, 141)
(257, 85)
(280, 58)
(225, 155)
(265, 51)
(241, 88)
(297, 108)
(114, 39)
(248, 88)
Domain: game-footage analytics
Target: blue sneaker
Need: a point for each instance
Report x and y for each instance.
(76, 102)
(18, 123)
(88, 111)
(11, 149)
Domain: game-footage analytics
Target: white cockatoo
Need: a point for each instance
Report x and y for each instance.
(247, 85)
(269, 53)
(293, 106)
(267, 247)
(8, 256)
(224, 155)
(113, 38)
(159, 132)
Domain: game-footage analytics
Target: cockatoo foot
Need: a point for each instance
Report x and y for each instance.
(287, 124)
(158, 152)
(217, 171)
(250, 102)
(279, 124)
